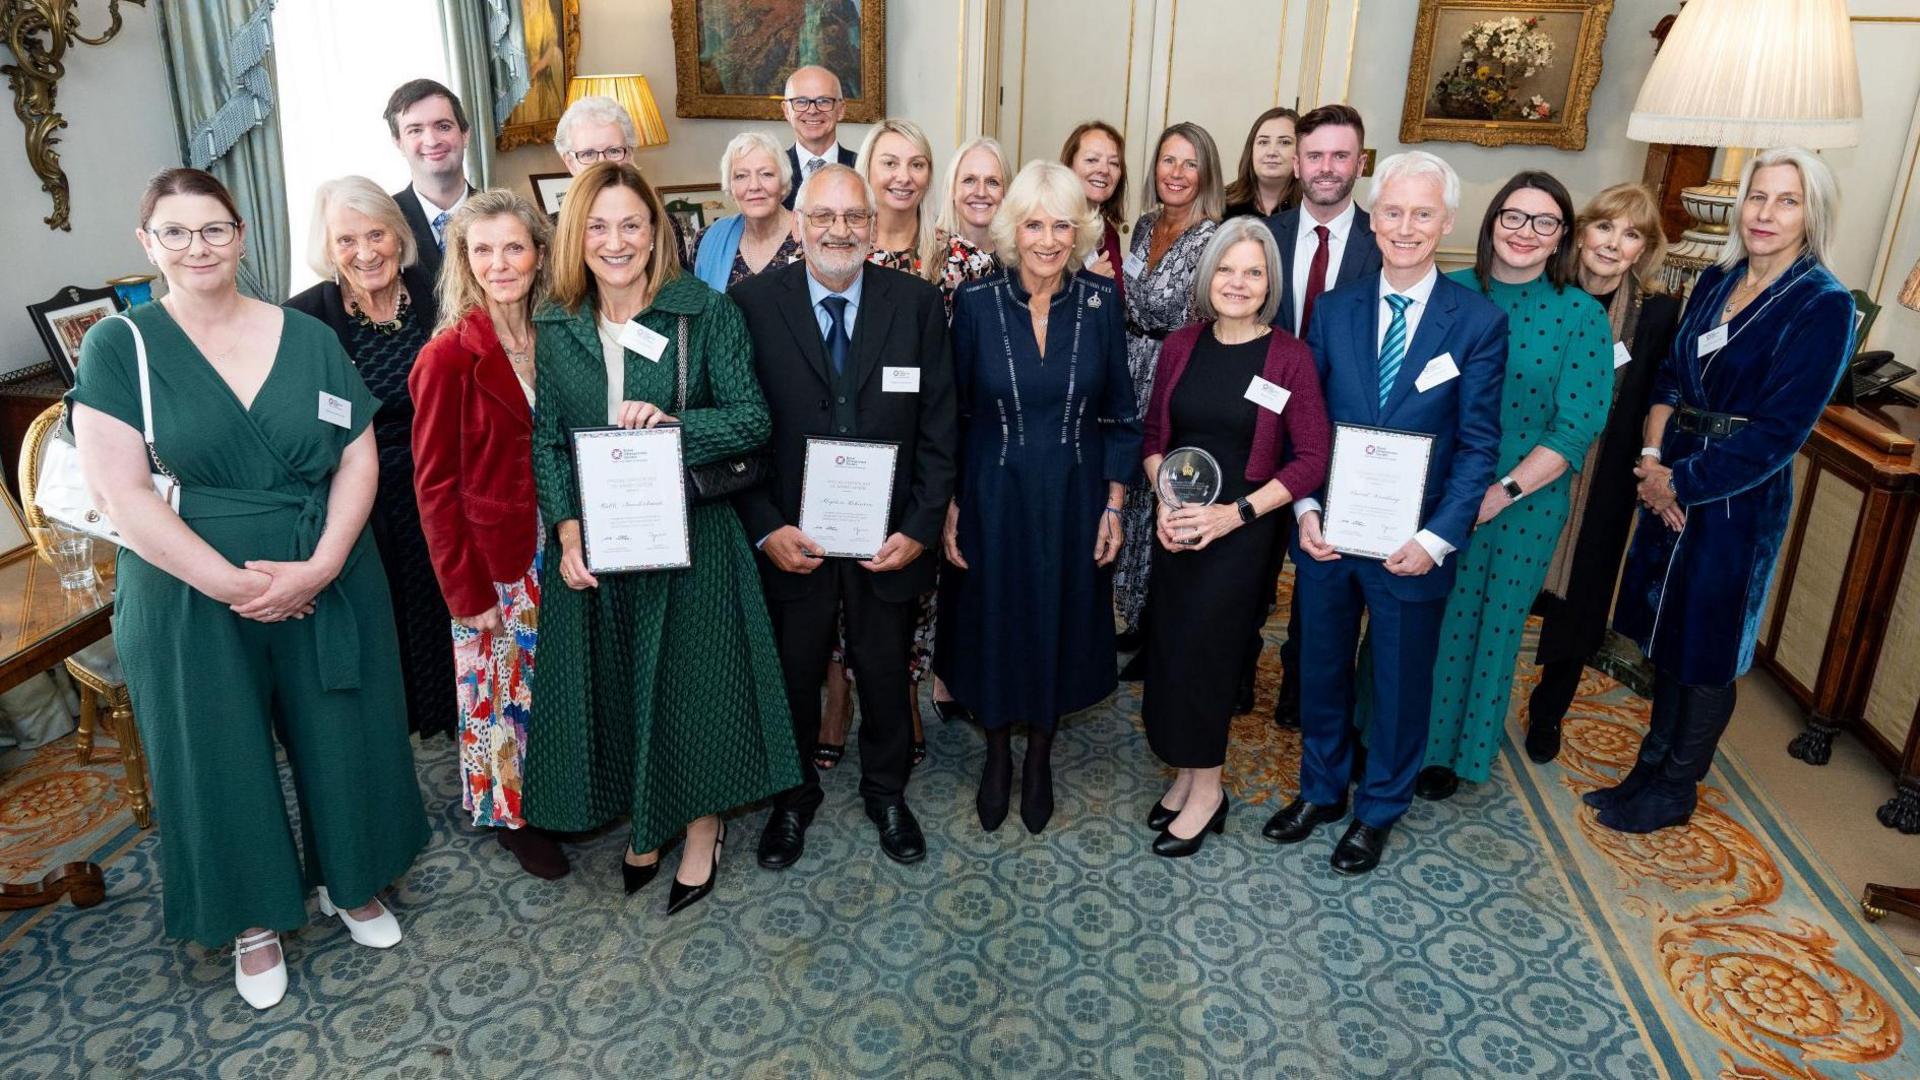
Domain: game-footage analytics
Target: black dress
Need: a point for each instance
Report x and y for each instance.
(1203, 603)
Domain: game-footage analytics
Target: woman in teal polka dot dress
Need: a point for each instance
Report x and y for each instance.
(1558, 385)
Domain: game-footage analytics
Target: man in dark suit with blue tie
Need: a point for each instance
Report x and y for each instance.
(430, 130)
(1412, 351)
(1325, 242)
(813, 105)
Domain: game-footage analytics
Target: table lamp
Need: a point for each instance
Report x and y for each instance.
(633, 94)
(1746, 73)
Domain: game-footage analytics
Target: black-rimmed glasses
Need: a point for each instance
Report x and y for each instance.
(615, 154)
(180, 238)
(1543, 224)
(813, 104)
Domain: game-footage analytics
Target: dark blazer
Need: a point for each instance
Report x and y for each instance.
(473, 463)
(902, 321)
(422, 229)
(1462, 414)
(326, 303)
(847, 158)
(1359, 258)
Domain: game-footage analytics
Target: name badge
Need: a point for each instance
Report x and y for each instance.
(337, 411)
(900, 380)
(1133, 265)
(1621, 357)
(1266, 395)
(1438, 370)
(643, 341)
(1713, 340)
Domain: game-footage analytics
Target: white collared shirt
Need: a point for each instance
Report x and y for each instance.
(432, 211)
(1305, 243)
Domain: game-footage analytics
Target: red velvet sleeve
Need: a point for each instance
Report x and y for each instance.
(438, 383)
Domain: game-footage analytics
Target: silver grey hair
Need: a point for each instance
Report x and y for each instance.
(747, 142)
(1410, 164)
(597, 109)
(1052, 189)
(1233, 231)
(1821, 201)
(803, 200)
(359, 194)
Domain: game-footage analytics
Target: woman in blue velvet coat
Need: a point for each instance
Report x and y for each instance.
(1762, 344)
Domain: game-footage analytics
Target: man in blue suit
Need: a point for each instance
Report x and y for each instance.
(1410, 350)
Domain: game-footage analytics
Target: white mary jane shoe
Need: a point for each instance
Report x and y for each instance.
(380, 932)
(262, 991)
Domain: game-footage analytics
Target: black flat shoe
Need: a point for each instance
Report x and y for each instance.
(1174, 847)
(950, 710)
(1543, 741)
(536, 850)
(827, 755)
(900, 835)
(683, 895)
(1436, 783)
(1036, 783)
(1359, 850)
(1297, 820)
(783, 838)
(634, 878)
(1160, 817)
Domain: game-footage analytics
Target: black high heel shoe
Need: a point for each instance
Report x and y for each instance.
(682, 895)
(1160, 816)
(1173, 847)
(634, 878)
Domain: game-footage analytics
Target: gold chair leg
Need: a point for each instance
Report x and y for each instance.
(133, 758)
(89, 715)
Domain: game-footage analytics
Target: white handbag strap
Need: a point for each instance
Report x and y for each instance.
(146, 396)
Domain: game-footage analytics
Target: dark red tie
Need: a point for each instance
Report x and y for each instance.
(1316, 278)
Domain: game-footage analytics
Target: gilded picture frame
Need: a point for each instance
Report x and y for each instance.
(731, 57)
(1504, 72)
(552, 30)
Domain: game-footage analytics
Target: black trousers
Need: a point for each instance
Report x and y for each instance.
(1290, 648)
(879, 643)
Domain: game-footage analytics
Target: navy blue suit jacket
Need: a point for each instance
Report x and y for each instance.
(1462, 414)
(1359, 257)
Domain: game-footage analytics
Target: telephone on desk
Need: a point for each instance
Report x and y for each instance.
(1869, 374)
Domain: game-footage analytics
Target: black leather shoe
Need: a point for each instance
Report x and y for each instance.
(996, 790)
(683, 895)
(1286, 711)
(1543, 741)
(900, 835)
(1297, 820)
(783, 838)
(1160, 817)
(1243, 696)
(1174, 847)
(1359, 850)
(634, 878)
(1436, 783)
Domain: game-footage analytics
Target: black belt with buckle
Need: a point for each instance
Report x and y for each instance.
(1716, 425)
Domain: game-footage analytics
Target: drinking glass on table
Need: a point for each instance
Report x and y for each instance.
(71, 553)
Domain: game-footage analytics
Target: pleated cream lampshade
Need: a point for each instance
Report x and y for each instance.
(633, 94)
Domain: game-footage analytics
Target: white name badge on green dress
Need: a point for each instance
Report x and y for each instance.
(645, 341)
(337, 411)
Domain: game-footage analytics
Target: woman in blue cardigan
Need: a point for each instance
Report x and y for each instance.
(754, 171)
(1760, 348)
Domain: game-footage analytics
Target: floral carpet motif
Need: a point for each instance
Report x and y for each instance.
(55, 810)
(1498, 940)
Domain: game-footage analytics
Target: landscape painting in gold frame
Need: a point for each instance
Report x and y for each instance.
(1504, 72)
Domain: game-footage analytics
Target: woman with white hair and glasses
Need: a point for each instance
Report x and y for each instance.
(1049, 437)
(1247, 393)
(594, 129)
(380, 303)
(1760, 348)
(753, 170)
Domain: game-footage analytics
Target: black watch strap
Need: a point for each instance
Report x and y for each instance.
(1246, 511)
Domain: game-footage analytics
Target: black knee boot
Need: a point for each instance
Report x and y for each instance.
(1670, 797)
(996, 780)
(1547, 707)
(1665, 721)
(1036, 780)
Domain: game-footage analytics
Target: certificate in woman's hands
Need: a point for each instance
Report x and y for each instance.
(846, 495)
(1376, 486)
(633, 498)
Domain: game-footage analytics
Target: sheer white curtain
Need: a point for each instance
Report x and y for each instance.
(337, 61)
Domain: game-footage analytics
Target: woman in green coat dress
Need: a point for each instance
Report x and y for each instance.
(213, 599)
(660, 693)
(1558, 385)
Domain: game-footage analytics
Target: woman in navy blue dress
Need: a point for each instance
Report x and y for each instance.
(1049, 437)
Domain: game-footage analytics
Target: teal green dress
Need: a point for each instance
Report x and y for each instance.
(658, 695)
(212, 691)
(1559, 385)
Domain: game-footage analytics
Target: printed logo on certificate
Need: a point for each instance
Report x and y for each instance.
(1376, 485)
(846, 495)
(633, 498)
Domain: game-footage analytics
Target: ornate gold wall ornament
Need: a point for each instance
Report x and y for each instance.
(38, 33)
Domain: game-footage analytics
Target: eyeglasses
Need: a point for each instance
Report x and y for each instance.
(824, 219)
(614, 154)
(812, 104)
(180, 238)
(1543, 224)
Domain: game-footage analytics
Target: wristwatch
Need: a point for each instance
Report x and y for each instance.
(1246, 512)
(1512, 488)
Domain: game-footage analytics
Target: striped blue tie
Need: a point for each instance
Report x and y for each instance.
(1394, 348)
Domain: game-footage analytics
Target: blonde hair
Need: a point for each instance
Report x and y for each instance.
(1211, 201)
(572, 282)
(1233, 231)
(1822, 195)
(361, 195)
(1641, 210)
(1045, 187)
(926, 243)
(948, 220)
(459, 290)
(747, 142)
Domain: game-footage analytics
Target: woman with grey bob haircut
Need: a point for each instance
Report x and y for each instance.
(1231, 232)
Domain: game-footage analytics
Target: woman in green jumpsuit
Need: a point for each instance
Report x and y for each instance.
(258, 611)
(659, 694)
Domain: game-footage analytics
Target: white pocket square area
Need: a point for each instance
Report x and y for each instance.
(1438, 370)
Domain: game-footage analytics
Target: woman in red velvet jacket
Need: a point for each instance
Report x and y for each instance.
(472, 388)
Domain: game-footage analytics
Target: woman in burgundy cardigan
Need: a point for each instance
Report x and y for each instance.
(472, 388)
(1248, 395)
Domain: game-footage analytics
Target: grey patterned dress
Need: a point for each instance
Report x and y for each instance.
(1159, 301)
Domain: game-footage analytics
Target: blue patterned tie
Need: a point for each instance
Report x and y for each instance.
(836, 331)
(440, 230)
(1394, 348)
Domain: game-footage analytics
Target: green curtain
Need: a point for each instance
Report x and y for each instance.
(487, 66)
(220, 66)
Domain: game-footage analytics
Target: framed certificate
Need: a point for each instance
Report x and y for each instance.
(633, 498)
(846, 493)
(1376, 484)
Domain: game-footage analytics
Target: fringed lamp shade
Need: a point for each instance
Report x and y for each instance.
(633, 94)
(1758, 73)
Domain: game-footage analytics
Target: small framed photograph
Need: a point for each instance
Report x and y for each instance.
(549, 190)
(693, 207)
(63, 319)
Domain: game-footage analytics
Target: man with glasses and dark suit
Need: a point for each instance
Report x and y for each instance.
(813, 106)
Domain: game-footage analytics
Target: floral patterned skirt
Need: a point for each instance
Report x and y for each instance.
(493, 676)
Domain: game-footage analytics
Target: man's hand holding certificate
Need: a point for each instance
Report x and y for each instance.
(846, 495)
(1376, 486)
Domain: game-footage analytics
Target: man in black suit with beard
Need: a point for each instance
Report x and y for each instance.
(848, 350)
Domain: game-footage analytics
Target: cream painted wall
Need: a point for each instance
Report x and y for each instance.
(120, 131)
